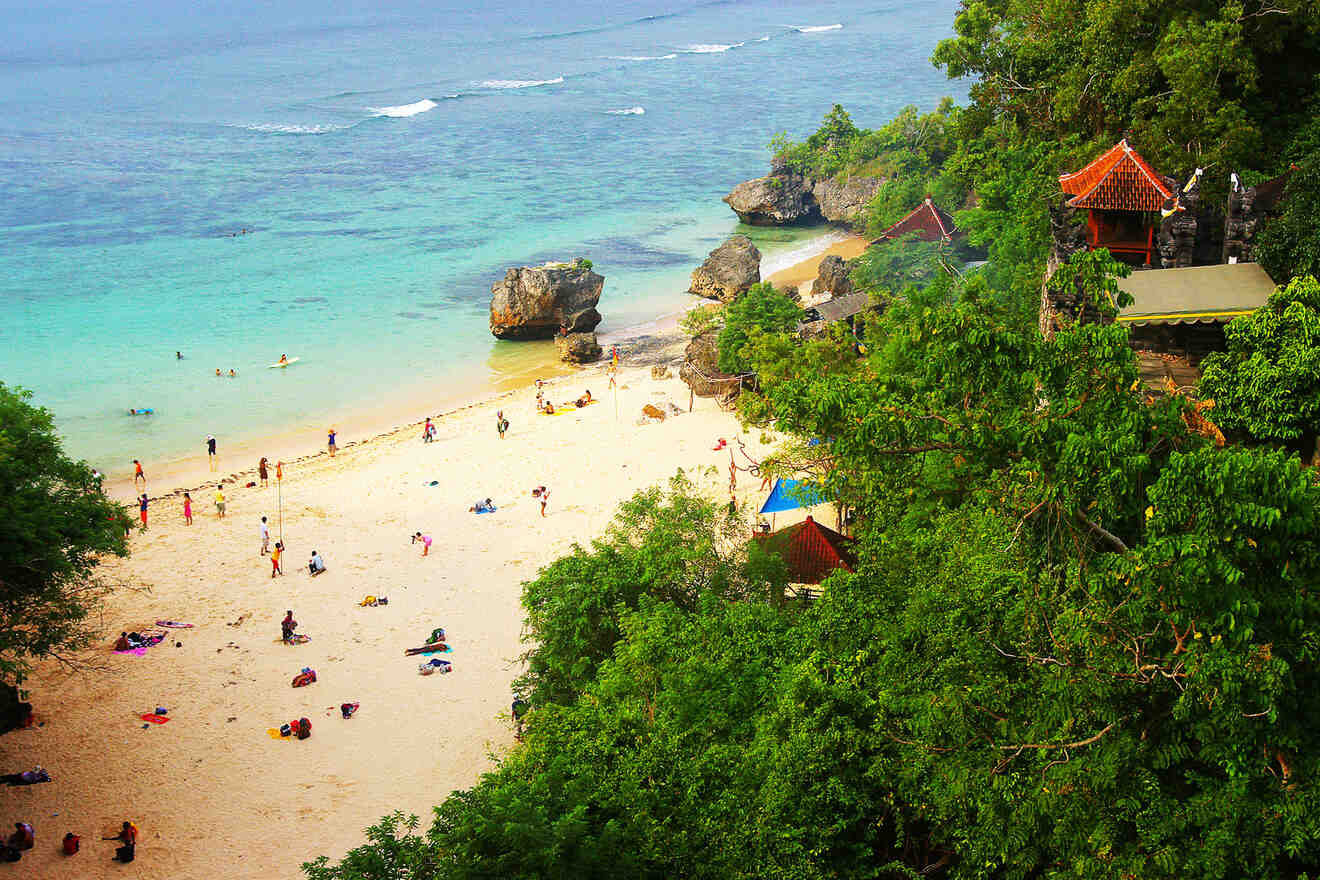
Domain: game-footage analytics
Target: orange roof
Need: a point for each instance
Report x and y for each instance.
(1120, 180)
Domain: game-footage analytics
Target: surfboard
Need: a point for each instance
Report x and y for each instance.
(276, 366)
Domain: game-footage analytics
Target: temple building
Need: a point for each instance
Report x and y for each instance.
(1122, 196)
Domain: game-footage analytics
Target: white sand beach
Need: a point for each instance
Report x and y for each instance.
(210, 791)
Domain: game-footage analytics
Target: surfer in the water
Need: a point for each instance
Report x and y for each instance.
(284, 358)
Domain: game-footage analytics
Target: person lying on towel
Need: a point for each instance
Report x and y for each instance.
(427, 648)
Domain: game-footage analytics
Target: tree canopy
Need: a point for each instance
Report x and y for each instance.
(55, 524)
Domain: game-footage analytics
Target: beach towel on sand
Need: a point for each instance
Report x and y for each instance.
(135, 651)
(174, 624)
(153, 718)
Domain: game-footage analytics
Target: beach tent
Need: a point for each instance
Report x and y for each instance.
(785, 495)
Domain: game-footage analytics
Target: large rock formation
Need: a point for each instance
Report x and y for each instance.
(833, 279)
(701, 369)
(842, 202)
(785, 197)
(537, 302)
(729, 270)
(578, 348)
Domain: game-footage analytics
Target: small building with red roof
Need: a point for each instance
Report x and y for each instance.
(927, 221)
(1122, 196)
(811, 551)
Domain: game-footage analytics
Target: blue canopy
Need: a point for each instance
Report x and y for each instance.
(785, 494)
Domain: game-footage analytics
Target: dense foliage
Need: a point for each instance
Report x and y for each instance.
(1289, 245)
(1082, 638)
(55, 524)
(762, 309)
(1267, 383)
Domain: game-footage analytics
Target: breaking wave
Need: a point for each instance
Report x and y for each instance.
(711, 48)
(815, 29)
(519, 83)
(643, 57)
(288, 128)
(627, 111)
(405, 110)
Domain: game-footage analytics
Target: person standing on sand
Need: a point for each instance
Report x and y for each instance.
(210, 450)
(138, 475)
(275, 560)
(265, 537)
(262, 473)
(220, 500)
(501, 423)
(542, 493)
(187, 509)
(426, 542)
(330, 442)
(142, 509)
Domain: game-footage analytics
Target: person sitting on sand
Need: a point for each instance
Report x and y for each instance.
(426, 542)
(124, 643)
(316, 565)
(288, 625)
(128, 836)
(583, 400)
(549, 408)
(23, 837)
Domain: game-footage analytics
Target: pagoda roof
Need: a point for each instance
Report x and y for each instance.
(811, 551)
(929, 222)
(1120, 180)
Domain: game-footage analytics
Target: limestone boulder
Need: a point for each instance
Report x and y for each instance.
(729, 270)
(843, 202)
(537, 302)
(578, 348)
(779, 199)
(833, 279)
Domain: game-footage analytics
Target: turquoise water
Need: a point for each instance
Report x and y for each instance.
(388, 161)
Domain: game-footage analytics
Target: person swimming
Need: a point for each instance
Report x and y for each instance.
(217, 371)
(284, 359)
(232, 374)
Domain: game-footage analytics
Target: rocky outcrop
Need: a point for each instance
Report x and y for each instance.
(785, 197)
(729, 270)
(578, 348)
(701, 369)
(833, 280)
(843, 202)
(537, 302)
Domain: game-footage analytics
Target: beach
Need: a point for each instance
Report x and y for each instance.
(210, 790)
(805, 271)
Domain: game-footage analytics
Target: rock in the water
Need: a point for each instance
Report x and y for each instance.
(781, 199)
(833, 279)
(578, 348)
(843, 202)
(536, 302)
(729, 270)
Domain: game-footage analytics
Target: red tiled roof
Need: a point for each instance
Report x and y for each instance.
(1120, 180)
(926, 220)
(811, 551)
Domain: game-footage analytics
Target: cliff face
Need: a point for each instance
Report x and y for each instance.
(785, 197)
(535, 302)
(729, 270)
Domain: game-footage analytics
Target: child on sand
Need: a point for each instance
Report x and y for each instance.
(262, 473)
(275, 559)
(288, 625)
(330, 442)
(210, 450)
(501, 423)
(542, 493)
(220, 500)
(142, 509)
(265, 537)
(187, 509)
(426, 542)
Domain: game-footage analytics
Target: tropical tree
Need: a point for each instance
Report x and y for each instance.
(761, 309)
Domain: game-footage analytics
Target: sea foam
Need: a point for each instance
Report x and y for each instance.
(404, 110)
(710, 48)
(519, 83)
(288, 128)
(627, 111)
(644, 57)
(816, 28)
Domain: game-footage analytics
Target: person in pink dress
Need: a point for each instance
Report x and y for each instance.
(187, 509)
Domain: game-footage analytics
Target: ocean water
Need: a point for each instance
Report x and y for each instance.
(388, 161)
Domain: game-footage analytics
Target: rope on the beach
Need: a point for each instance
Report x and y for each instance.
(702, 373)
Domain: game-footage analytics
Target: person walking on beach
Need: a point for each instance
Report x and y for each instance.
(138, 475)
(220, 500)
(275, 560)
(330, 442)
(187, 509)
(142, 509)
(542, 493)
(428, 431)
(210, 450)
(262, 473)
(265, 537)
(426, 542)
(501, 423)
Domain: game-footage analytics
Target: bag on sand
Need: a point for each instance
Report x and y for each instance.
(286, 730)
(304, 728)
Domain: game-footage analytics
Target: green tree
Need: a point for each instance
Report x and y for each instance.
(761, 309)
(1267, 383)
(1289, 245)
(55, 525)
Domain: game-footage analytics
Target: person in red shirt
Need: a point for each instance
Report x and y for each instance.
(137, 473)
